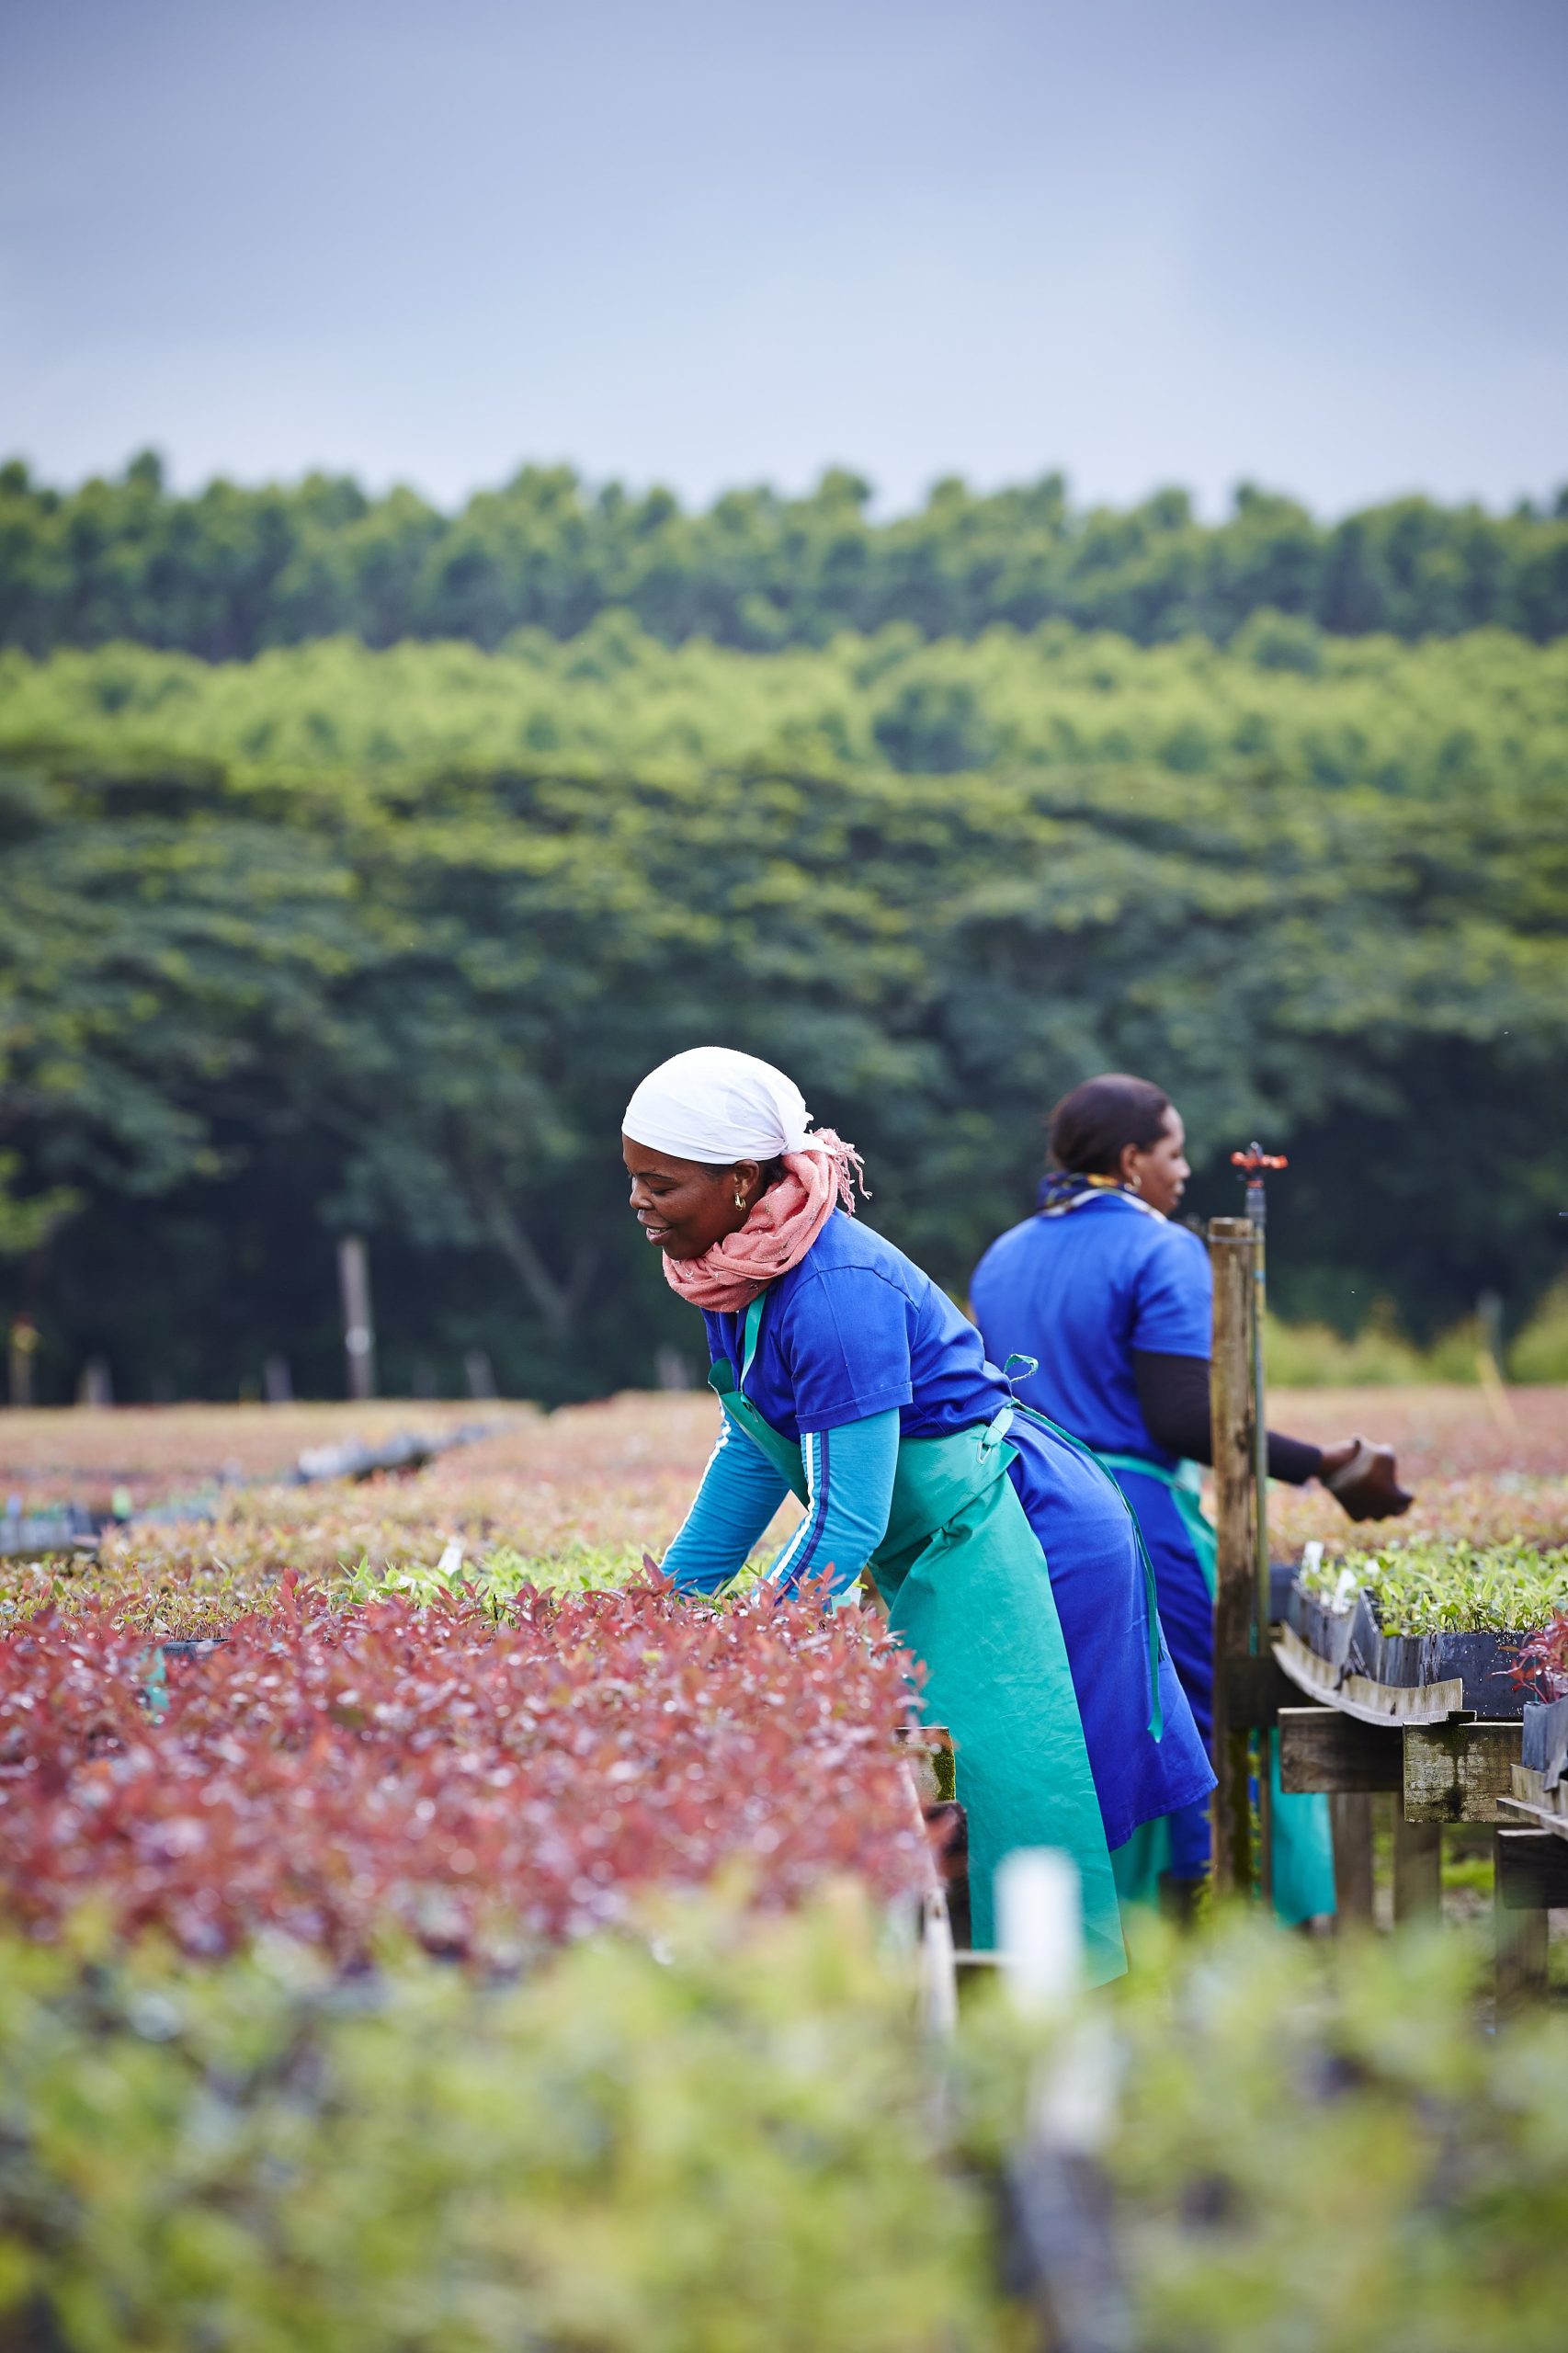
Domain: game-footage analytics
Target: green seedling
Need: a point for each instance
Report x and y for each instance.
(1428, 1586)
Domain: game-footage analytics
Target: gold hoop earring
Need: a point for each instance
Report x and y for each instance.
(1135, 1182)
(740, 1198)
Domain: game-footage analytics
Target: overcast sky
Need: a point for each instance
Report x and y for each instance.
(705, 241)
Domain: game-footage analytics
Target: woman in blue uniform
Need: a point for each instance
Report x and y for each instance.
(1116, 1305)
(846, 1375)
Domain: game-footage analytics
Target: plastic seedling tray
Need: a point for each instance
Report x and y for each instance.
(1336, 1652)
(69, 1528)
(1349, 1639)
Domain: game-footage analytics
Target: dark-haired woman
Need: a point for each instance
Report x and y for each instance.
(849, 1378)
(1116, 1305)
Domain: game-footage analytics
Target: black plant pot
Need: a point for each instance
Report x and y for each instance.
(1484, 1664)
(1352, 1642)
(1546, 1739)
(1325, 1632)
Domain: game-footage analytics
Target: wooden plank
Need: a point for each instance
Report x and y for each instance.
(1231, 1248)
(1418, 1869)
(1458, 1772)
(1532, 1871)
(1320, 1749)
(928, 1757)
(1356, 1695)
(1516, 1811)
(1350, 1818)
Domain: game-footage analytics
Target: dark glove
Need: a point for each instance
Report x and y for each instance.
(1367, 1488)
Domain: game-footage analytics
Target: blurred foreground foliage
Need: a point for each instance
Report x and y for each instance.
(719, 2135)
(1339, 2152)
(244, 1006)
(719, 2143)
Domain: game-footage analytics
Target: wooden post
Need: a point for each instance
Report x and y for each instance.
(1230, 1399)
(1418, 1867)
(358, 1337)
(1350, 1817)
(1258, 1213)
(21, 1349)
(1532, 1871)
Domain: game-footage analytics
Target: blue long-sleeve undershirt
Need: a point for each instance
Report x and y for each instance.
(850, 1479)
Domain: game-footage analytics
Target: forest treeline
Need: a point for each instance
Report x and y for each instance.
(1283, 700)
(230, 570)
(245, 1007)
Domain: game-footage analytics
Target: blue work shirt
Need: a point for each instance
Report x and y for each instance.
(856, 1329)
(1081, 1291)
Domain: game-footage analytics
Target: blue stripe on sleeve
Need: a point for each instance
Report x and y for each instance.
(849, 1479)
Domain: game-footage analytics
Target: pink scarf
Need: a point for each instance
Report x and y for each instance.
(782, 1228)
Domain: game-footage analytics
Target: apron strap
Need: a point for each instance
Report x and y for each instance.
(1151, 1594)
(1185, 1486)
(750, 1330)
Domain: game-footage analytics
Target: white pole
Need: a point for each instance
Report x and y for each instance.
(1040, 1926)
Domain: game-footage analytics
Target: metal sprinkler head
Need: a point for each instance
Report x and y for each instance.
(1252, 1163)
(1255, 1158)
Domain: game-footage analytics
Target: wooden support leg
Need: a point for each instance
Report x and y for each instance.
(1521, 1951)
(1351, 1816)
(1230, 1815)
(1417, 1869)
(1520, 1934)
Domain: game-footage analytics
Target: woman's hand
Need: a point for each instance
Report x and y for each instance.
(1363, 1479)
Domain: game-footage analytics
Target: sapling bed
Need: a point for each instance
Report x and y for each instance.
(1426, 1612)
(487, 1788)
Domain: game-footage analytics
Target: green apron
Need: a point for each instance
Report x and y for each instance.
(1304, 1840)
(967, 1589)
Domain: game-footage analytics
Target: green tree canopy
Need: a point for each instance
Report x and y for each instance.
(228, 571)
(242, 1007)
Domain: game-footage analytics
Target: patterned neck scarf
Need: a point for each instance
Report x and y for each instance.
(1062, 1189)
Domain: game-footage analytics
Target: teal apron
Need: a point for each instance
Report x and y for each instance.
(968, 1590)
(1303, 1841)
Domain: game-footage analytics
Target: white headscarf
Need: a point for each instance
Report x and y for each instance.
(715, 1105)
